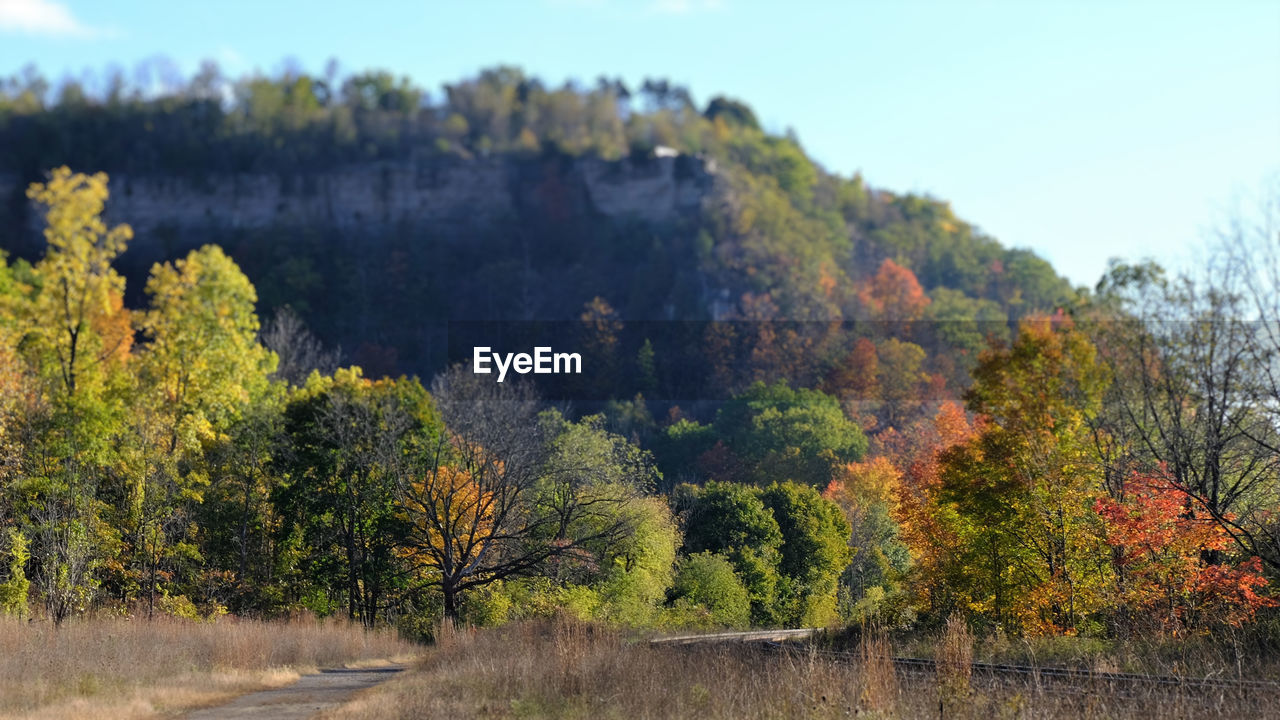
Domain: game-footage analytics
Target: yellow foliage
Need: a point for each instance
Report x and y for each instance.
(76, 315)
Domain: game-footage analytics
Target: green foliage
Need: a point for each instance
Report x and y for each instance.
(15, 590)
(788, 545)
(708, 593)
(347, 435)
(1023, 488)
(966, 323)
(487, 606)
(899, 376)
(786, 434)
(679, 445)
(815, 551)
(202, 360)
(732, 111)
(730, 519)
(638, 570)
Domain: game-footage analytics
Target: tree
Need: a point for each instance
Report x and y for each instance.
(900, 379)
(202, 360)
(928, 524)
(645, 367)
(734, 111)
(707, 589)
(785, 434)
(731, 519)
(75, 336)
(855, 379)
(1195, 392)
(1161, 540)
(79, 288)
(299, 352)
(352, 442)
(636, 569)
(201, 367)
(14, 590)
(1023, 488)
(237, 517)
(506, 492)
(867, 492)
(814, 552)
(893, 297)
(599, 328)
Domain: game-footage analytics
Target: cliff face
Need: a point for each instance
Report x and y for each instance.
(441, 194)
(379, 257)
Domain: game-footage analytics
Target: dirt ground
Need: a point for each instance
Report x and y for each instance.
(310, 695)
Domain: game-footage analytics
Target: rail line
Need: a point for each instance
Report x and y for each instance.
(1056, 675)
(1046, 678)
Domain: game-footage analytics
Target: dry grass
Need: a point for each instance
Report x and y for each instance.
(877, 677)
(578, 671)
(954, 655)
(103, 669)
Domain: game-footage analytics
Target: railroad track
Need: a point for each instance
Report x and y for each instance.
(1051, 677)
(1073, 680)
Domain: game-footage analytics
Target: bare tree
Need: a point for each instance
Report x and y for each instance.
(1195, 367)
(1250, 244)
(299, 351)
(486, 505)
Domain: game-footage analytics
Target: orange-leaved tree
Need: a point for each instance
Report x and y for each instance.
(893, 297)
(451, 521)
(926, 524)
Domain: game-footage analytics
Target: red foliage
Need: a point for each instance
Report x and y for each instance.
(1163, 541)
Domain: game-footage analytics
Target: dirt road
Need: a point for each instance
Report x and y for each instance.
(306, 697)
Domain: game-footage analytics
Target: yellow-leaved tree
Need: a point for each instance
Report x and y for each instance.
(201, 367)
(80, 295)
(74, 335)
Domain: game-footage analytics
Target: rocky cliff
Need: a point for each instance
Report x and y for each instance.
(443, 194)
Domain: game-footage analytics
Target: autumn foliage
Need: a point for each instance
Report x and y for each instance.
(1163, 546)
(894, 295)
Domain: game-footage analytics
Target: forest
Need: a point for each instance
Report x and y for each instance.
(894, 420)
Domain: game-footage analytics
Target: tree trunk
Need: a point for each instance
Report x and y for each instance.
(450, 601)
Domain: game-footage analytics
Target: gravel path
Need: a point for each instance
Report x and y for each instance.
(303, 699)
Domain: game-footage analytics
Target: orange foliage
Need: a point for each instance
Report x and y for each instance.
(454, 518)
(914, 452)
(115, 327)
(894, 295)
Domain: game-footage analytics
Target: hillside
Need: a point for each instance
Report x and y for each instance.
(365, 201)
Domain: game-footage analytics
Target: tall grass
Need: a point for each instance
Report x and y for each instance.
(105, 668)
(559, 670)
(954, 656)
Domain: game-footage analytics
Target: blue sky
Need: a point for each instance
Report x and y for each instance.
(1083, 129)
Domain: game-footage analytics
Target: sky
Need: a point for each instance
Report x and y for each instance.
(1084, 130)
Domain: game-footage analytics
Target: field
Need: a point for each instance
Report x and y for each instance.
(115, 668)
(570, 670)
